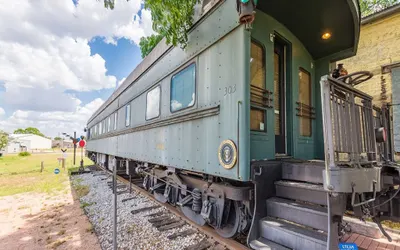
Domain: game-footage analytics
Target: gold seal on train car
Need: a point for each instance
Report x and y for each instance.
(227, 154)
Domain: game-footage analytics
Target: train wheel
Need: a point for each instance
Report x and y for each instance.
(231, 221)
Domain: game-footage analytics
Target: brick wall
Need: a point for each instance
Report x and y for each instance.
(379, 45)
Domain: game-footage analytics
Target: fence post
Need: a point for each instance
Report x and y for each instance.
(41, 166)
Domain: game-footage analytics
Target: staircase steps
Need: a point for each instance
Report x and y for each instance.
(264, 244)
(291, 235)
(303, 171)
(293, 190)
(309, 215)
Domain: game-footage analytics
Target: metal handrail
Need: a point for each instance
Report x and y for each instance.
(349, 126)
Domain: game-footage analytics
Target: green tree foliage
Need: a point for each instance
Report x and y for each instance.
(369, 7)
(147, 44)
(57, 138)
(29, 130)
(171, 19)
(3, 139)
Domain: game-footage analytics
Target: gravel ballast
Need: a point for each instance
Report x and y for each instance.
(134, 230)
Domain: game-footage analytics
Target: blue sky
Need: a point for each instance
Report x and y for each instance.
(60, 60)
(120, 59)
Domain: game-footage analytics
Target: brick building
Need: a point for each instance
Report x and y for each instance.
(379, 52)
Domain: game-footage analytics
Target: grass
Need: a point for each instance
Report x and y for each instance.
(22, 174)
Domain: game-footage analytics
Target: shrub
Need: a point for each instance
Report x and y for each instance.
(24, 154)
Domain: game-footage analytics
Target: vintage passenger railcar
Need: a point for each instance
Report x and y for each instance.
(235, 129)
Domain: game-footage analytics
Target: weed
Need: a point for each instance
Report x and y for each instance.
(81, 190)
(85, 204)
(62, 232)
(59, 243)
(24, 154)
(90, 229)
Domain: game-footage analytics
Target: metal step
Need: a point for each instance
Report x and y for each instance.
(264, 244)
(303, 171)
(292, 236)
(309, 215)
(301, 191)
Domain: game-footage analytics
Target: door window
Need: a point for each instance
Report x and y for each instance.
(257, 86)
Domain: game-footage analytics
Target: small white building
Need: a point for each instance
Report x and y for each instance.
(27, 142)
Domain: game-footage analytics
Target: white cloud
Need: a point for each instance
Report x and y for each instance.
(44, 51)
(2, 112)
(52, 123)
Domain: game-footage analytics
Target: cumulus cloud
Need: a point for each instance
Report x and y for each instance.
(52, 123)
(44, 51)
(2, 112)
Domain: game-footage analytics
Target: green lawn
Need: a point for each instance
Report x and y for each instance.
(22, 174)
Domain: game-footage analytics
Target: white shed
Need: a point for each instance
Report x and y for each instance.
(27, 142)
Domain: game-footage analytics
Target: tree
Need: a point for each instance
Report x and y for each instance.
(171, 19)
(369, 7)
(29, 130)
(3, 139)
(147, 44)
(57, 138)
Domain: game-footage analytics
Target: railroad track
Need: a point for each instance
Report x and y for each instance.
(170, 219)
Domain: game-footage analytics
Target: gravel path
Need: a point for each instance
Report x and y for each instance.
(134, 230)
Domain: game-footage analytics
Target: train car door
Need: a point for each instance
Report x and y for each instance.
(279, 98)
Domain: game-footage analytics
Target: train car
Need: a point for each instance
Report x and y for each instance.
(246, 130)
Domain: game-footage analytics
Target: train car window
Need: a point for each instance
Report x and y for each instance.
(127, 115)
(100, 128)
(115, 120)
(305, 101)
(109, 124)
(183, 89)
(95, 129)
(257, 86)
(153, 103)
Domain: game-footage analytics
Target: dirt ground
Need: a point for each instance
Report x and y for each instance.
(45, 221)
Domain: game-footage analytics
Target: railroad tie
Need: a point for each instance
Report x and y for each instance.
(144, 209)
(182, 234)
(122, 192)
(158, 219)
(165, 222)
(171, 226)
(204, 244)
(154, 214)
(128, 199)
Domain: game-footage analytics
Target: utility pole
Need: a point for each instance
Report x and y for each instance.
(114, 161)
(74, 146)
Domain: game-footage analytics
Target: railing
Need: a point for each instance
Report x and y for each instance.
(349, 125)
(383, 119)
(260, 97)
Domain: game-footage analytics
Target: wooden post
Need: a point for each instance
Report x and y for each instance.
(63, 163)
(41, 166)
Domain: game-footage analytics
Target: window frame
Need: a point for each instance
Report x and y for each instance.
(115, 120)
(257, 107)
(304, 71)
(195, 87)
(127, 121)
(159, 103)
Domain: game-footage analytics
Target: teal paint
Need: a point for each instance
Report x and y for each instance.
(321, 69)
(263, 145)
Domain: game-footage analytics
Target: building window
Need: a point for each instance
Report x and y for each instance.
(183, 89)
(305, 102)
(127, 115)
(257, 86)
(100, 130)
(95, 130)
(153, 103)
(109, 124)
(115, 120)
(104, 126)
